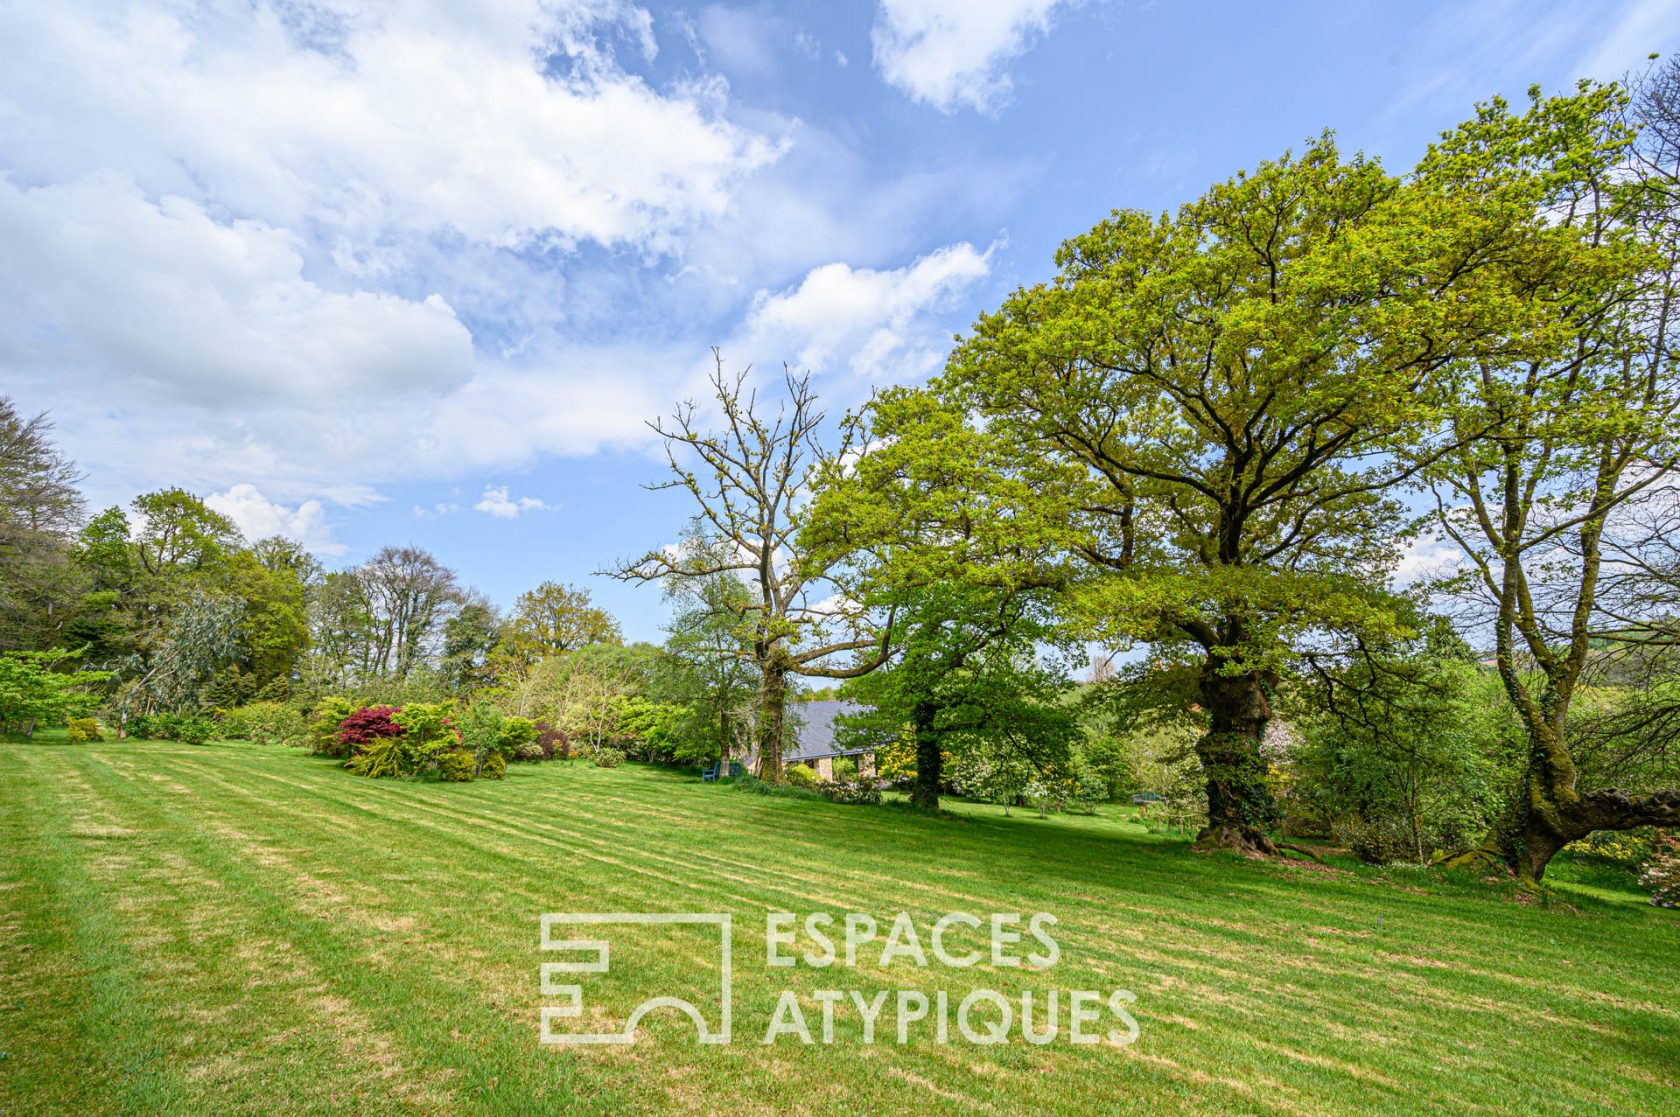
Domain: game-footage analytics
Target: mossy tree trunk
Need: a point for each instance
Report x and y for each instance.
(772, 717)
(930, 762)
(1240, 805)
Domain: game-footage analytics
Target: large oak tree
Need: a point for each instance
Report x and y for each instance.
(1229, 386)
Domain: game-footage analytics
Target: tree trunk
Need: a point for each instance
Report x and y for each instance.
(772, 708)
(1240, 806)
(930, 762)
(1546, 816)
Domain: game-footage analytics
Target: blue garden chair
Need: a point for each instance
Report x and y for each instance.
(709, 775)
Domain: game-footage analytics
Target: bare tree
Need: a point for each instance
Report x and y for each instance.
(409, 596)
(750, 483)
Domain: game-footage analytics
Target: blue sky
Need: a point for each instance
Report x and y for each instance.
(369, 273)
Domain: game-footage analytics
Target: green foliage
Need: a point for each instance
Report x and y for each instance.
(429, 726)
(388, 758)
(712, 673)
(845, 769)
(606, 757)
(649, 730)
(268, 723)
(323, 731)
(201, 640)
(454, 765)
(553, 619)
(803, 776)
(193, 729)
(189, 728)
(32, 690)
(755, 786)
(85, 729)
(495, 767)
(517, 734)
(1412, 751)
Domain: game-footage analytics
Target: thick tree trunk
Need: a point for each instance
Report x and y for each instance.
(772, 709)
(930, 762)
(1547, 818)
(1240, 806)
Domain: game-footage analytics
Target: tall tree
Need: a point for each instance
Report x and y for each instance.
(1551, 451)
(471, 639)
(750, 480)
(1229, 385)
(705, 638)
(553, 619)
(40, 510)
(177, 533)
(928, 521)
(409, 595)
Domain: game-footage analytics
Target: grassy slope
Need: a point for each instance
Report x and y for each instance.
(237, 929)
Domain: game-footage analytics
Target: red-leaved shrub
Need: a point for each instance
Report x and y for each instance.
(366, 726)
(554, 742)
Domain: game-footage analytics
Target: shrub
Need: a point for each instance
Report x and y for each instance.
(862, 792)
(530, 753)
(266, 723)
(516, 734)
(191, 728)
(606, 757)
(1380, 839)
(429, 726)
(556, 745)
(753, 785)
(495, 766)
(385, 758)
(455, 765)
(85, 729)
(845, 768)
(325, 721)
(1089, 789)
(1662, 873)
(803, 776)
(365, 726)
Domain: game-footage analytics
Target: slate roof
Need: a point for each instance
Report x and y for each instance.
(814, 730)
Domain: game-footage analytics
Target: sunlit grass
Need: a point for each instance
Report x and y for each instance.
(236, 929)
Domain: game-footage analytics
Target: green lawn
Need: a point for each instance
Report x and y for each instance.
(237, 929)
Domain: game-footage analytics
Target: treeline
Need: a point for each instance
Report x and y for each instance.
(163, 620)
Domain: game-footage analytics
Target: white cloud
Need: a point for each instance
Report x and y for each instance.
(336, 253)
(259, 518)
(741, 40)
(95, 275)
(880, 324)
(1425, 559)
(412, 118)
(955, 53)
(497, 503)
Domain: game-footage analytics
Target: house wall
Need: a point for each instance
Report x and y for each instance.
(825, 767)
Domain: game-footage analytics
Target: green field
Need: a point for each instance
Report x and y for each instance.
(234, 929)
